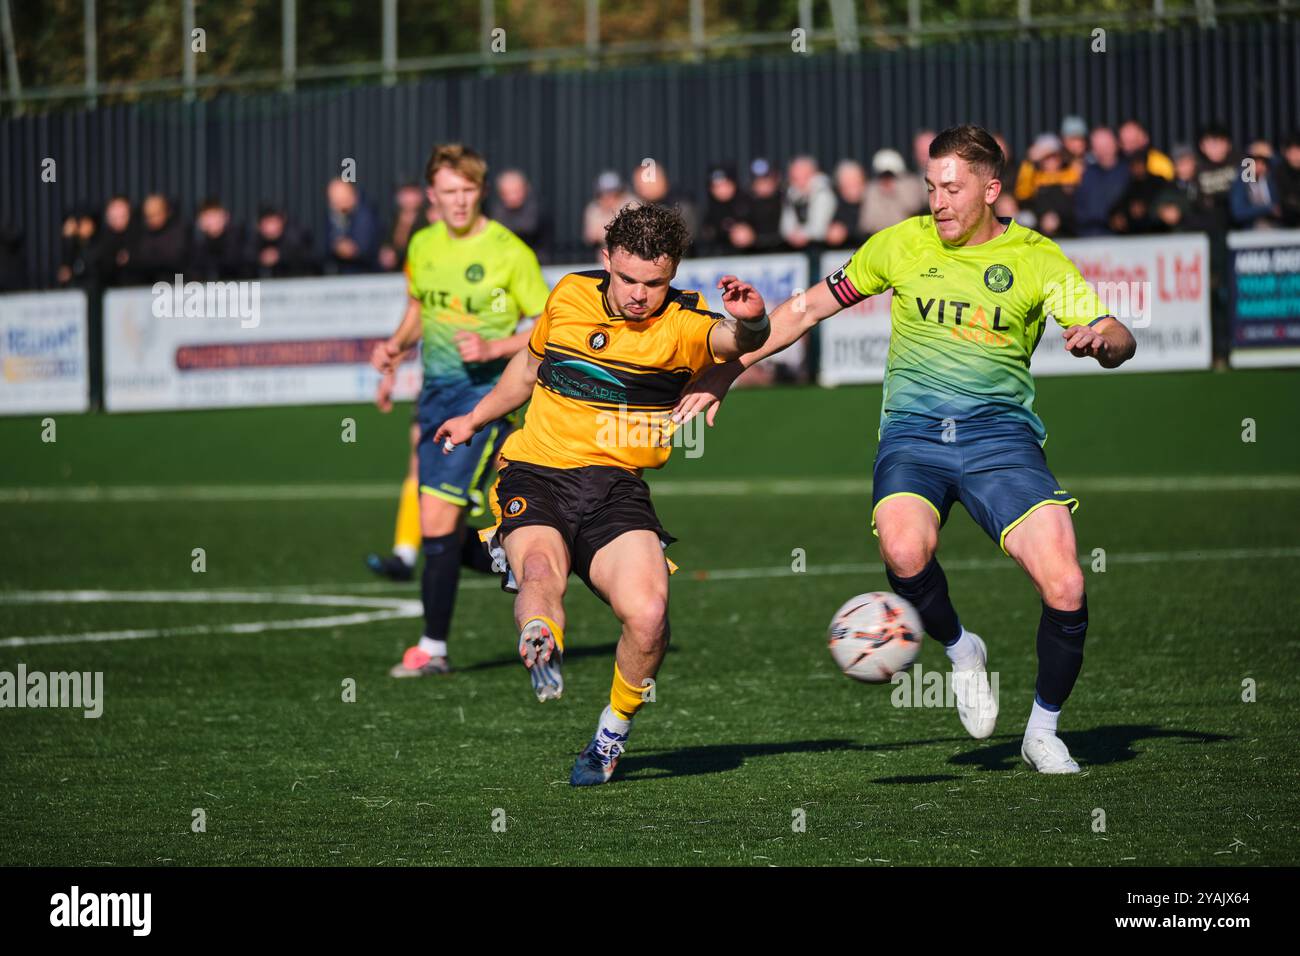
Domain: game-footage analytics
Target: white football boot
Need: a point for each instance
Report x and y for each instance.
(542, 656)
(977, 705)
(1047, 753)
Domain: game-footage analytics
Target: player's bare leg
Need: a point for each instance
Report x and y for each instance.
(908, 526)
(441, 524)
(540, 562)
(631, 574)
(1043, 543)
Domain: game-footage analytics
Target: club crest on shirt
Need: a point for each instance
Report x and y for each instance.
(597, 340)
(474, 273)
(998, 278)
(515, 507)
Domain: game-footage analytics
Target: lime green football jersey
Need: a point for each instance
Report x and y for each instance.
(482, 284)
(965, 319)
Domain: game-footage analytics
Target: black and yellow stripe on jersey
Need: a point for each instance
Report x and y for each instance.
(607, 385)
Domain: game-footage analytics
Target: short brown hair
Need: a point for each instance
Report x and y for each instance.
(972, 143)
(458, 158)
(649, 231)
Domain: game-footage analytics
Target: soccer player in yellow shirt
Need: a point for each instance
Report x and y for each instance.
(972, 295)
(606, 363)
(470, 281)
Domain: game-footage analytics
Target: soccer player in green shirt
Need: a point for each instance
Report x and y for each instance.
(470, 280)
(972, 295)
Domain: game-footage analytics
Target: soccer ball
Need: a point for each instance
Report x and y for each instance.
(874, 636)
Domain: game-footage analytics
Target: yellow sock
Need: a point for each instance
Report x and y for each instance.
(407, 534)
(556, 630)
(624, 698)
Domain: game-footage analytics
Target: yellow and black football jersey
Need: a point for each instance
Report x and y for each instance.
(607, 386)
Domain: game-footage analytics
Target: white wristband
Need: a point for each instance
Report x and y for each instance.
(758, 325)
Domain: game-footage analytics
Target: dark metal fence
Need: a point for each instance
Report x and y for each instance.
(563, 128)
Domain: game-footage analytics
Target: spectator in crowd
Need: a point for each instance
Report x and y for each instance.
(1104, 181)
(408, 218)
(351, 231)
(651, 184)
(77, 248)
(1074, 142)
(761, 230)
(893, 194)
(1047, 164)
(850, 190)
(724, 211)
(217, 250)
(1134, 210)
(611, 196)
(1046, 185)
(1252, 200)
(113, 246)
(161, 246)
(13, 270)
(1135, 143)
(277, 249)
(921, 141)
(514, 204)
(809, 204)
(1287, 178)
(1215, 172)
(1007, 171)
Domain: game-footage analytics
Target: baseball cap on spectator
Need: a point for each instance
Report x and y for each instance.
(609, 182)
(1073, 126)
(759, 168)
(1043, 146)
(1181, 150)
(888, 162)
(722, 171)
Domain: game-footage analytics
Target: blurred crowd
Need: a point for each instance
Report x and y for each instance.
(1075, 181)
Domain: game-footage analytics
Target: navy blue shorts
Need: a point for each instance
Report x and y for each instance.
(462, 475)
(996, 469)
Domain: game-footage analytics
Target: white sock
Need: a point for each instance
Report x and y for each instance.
(1040, 718)
(433, 648)
(963, 651)
(407, 553)
(614, 724)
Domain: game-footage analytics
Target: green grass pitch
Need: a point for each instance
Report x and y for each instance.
(753, 728)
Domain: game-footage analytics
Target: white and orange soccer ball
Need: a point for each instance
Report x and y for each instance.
(874, 636)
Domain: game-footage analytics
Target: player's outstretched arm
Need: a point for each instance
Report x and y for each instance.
(474, 348)
(387, 355)
(511, 391)
(790, 322)
(1109, 342)
(748, 328)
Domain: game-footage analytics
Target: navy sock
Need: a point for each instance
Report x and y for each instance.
(438, 583)
(928, 593)
(473, 554)
(1060, 653)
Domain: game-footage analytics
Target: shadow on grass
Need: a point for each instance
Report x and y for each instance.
(572, 654)
(1091, 748)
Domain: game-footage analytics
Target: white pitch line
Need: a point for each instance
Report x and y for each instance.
(388, 609)
(387, 491)
(400, 608)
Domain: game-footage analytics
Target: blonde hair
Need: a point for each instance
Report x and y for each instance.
(460, 159)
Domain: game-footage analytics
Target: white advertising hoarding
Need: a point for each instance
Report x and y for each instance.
(1157, 285)
(44, 353)
(308, 342)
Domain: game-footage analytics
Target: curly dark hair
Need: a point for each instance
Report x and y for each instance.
(648, 231)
